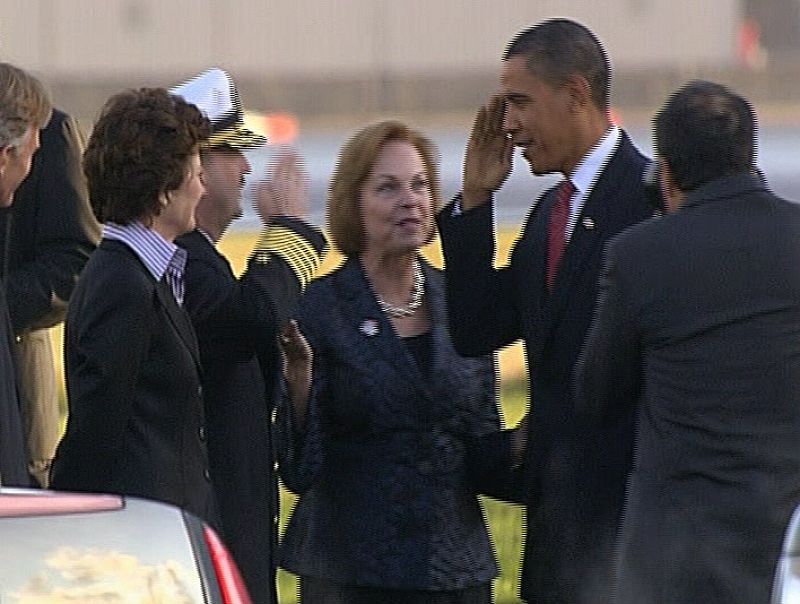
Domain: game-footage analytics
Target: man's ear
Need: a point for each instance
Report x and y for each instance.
(673, 196)
(579, 90)
(5, 155)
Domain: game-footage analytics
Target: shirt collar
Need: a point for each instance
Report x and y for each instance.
(585, 174)
(155, 252)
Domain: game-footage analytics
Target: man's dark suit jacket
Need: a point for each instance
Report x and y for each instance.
(700, 315)
(136, 423)
(386, 496)
(13, 457)
(46, 238)
(491, 308)
(237, 324)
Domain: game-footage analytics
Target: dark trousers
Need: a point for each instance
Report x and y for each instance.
(320, 591)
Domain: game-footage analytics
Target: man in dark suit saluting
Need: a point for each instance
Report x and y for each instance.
(699, 316)
(238, 321)
(554, 105)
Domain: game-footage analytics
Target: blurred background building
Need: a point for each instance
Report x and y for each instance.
(322, 58)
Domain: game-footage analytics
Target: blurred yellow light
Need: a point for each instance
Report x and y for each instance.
(279, 128)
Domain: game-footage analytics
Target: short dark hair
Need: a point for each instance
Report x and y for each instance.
(356, 158)
(703, 132)
(138, 150)
(559, 48)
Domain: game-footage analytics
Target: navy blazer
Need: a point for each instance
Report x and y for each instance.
(386, 498)
(136, 421)
(491, 308)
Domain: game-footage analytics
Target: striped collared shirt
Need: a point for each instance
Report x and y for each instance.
(162, 258)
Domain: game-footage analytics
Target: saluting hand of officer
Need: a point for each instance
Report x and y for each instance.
(285, 190)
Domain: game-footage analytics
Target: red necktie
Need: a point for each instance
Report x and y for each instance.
(556, 228)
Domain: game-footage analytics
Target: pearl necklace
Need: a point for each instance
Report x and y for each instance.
(414, 301)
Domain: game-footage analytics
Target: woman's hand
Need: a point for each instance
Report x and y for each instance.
(519, 442)
(297, 365)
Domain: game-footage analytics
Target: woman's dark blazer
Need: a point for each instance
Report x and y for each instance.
(135, 403)
(386, 498)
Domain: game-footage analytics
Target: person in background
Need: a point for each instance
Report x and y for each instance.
(238, 320)
(25, 109)
(46, 238)
(698, 317)
(136, 421)
(379, 417)
(554, 106)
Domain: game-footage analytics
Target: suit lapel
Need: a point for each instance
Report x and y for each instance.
(176, 315)
(179, 319)
(531, 251)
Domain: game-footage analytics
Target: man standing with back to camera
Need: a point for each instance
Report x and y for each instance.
(554, 106)
(699, 314)
(238, 321)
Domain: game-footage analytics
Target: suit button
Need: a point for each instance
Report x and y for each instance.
(202, 433)
(200, 391)
(207, 475)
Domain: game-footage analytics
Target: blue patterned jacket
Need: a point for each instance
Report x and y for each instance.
(386, 494)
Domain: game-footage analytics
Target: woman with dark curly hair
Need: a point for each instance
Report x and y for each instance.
(135, 403)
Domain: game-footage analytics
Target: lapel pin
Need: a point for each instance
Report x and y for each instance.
(588, 223)
(369, 327)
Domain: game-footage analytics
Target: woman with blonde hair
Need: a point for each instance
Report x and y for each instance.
(380, 409)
